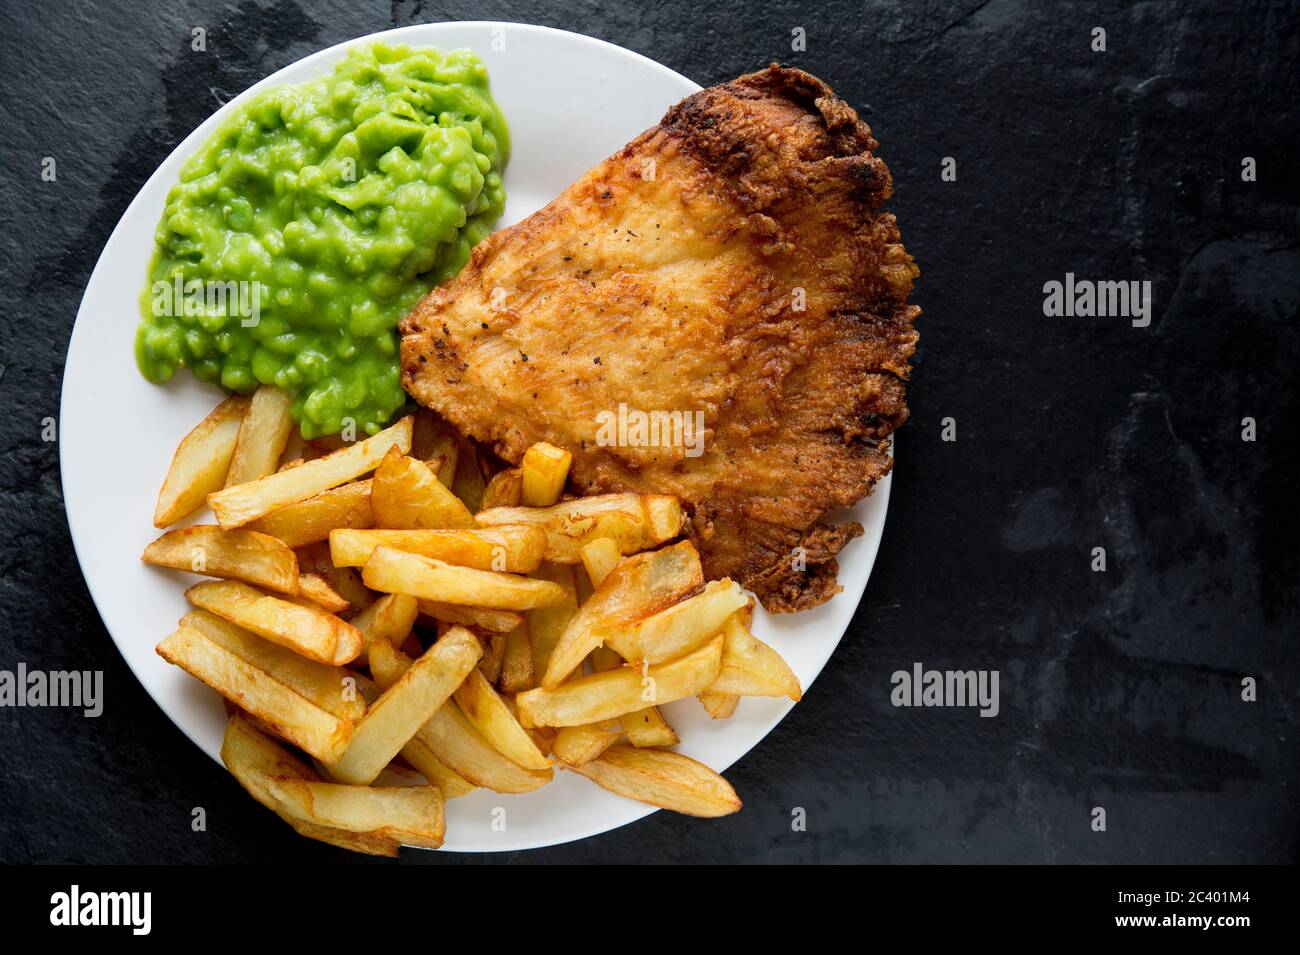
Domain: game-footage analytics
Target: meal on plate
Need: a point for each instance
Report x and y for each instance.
(638, 406)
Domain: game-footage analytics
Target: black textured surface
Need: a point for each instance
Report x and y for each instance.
(1119, 689)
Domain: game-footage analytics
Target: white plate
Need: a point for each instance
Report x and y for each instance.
(570, 101)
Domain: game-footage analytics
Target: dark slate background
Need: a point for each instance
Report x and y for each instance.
(1119, 689)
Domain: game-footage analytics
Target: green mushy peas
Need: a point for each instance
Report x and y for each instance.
(313, 219)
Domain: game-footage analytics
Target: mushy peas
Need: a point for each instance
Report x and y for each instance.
(313, 219)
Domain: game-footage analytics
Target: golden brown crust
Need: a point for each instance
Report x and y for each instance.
(671, 278)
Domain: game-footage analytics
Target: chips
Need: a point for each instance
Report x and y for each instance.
(236, 506)
(239, 554)
(263, 435)
(516, 550)
(396, 571)
(405, 494)
(603, 696)
(201, 462)
(546, 584)
(294, 717)
(632, 521)
(313, 632)
(664, 779)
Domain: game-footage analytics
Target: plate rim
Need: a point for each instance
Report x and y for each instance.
(852, 592)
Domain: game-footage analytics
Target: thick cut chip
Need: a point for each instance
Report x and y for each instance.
(751, 668)
(662, 778)
(395, 571)
(497, 621)
(312, 520)
(603, 696)
(253, 759)
(406, 705)
(720, 706)
(516, 550)
(517, 662)
(679, 628)
(451, 737)
(492, 718)
(632, 521)
(333, 689)
(637, 587)
(238, 555)
(200, 463)
(263, 436)
(546, 624)
(438, 773)
(600, 557)
(308, 630)
(405, 494)
(412, 815)
(238, 505)
(503, 490)
(291, 715)
(576, 745)
(544, 469)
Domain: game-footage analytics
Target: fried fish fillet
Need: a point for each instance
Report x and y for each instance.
(733, 260)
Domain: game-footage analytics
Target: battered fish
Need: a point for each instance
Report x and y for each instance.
(733, 261)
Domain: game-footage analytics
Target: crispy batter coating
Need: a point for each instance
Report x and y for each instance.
(733, 260)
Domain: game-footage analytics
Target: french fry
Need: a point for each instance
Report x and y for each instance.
(677, 629)
(545, 624)
(493, 657)
(516, 550)
(346, 581)
(664, 517)
(497, 621)
(389, 619)
(263, 436)
(720, 706)
(253, 759)
(493, 719)
(468, 482)
(309, 521)
(644, 727)
(395, 571)
(406, 705)
(333, 689)
(200, 463)
(637, 587)
(599, 557)
(412, 815)
(543, 471)
(517, 661)
(751, 668)
(239, 555)
(238, 505)
(647, 727)
(633, 521)
(451, 737)
(604, 696)
(297, 719)
(503, 490)
(575, 745)
(432, 438)
(316, 590)
(443, 463)
(406, 495)
(314, 633)
(438, 773)
(662, 778)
